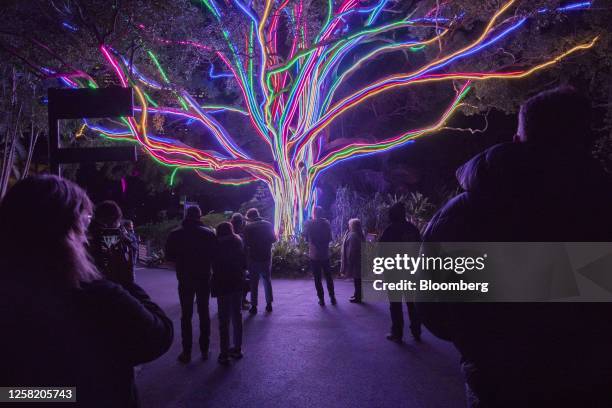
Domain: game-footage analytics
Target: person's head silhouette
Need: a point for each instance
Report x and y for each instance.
(43, 223)
(224, 229)
(317, 212)
(397, 213)
(252, 214)
(193, 213)
(108, 214)
(557, 118)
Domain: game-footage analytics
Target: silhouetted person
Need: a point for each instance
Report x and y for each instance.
(191, 247)
(258, 238)
(238, 223)
(401, 230)
(351, 256)
(545, 187)
(128, 225)
(317, 232)
(227, 283)
(62, 323)
(110, 246)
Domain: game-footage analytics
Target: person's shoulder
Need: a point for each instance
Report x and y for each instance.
(176, 231)
(352, 237)
(442, 226)
(101, 289)
(411, 227)
(237, 241)
(206, 230)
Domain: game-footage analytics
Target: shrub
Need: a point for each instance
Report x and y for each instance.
(290, 258)
(372, 210)
(213, 219)
(157, 233)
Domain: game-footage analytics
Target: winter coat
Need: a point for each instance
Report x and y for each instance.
(191, 247)
(90, 337)
(113, 252)
(351, 255)
(258, 238)
(401, 232)
(228, 266)
(318, 234)
(528, 354)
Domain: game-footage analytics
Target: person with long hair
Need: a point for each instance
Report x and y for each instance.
(351, 256)
(227, 283)
(64, 324)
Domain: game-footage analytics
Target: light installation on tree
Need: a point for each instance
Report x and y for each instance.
(291, 100)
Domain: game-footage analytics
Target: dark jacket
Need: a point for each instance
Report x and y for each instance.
(544, 354)
(90, 338)
(400, 232)
(228, 267)
(113, 252)
(318, 233)
(191, 247)
(258, 238)
(351, 255)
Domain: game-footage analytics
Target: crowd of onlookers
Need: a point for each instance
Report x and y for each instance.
(72, 313)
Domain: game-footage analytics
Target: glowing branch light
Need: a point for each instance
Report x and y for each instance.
(290, 97)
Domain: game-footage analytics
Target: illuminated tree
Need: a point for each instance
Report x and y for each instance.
(290, 63)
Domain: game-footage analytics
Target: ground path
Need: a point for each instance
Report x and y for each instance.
(302, 355)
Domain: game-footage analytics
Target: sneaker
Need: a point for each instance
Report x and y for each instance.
(394, 338)
(185, 357)
(253, 310)
(269, 307)
(333, 300)
(321, 302)
(354, 300)
(235, 353)
(223, 359)
(246, 305)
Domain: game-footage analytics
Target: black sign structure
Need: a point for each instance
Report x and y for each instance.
(87, 103)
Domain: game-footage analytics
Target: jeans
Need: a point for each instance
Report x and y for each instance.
(201, 292)
(261, 269)
(357, 284)
(318, 266)
(230, 309)
(397, 319)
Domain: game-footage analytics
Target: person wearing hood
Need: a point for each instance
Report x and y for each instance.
(544, 187)
(191, 248)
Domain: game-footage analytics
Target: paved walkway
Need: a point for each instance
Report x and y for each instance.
(302, 355)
